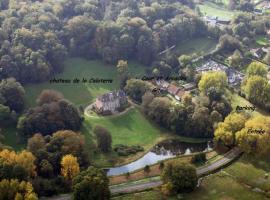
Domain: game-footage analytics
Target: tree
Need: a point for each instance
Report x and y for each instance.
(159, 110)
(13, 94)
(15, 190)
(136, 89)
(24, 159)
(4, 112)
(257, 69)
(91, 184)
(122, 69)
(35, 143)
(225, 132)
(236, 59)
(49, 96)
(104, 139)
(182, 176)
(49, 118)
(257, 91)
(254, 138)
(70, 167)
(217, 80)
(184, 60)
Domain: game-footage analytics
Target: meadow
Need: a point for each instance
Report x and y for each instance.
(199, 46)
(214, 10)
(82, 93)
(131, 128)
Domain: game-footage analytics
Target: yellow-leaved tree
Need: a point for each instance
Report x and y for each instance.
(70, 167)
(25, 159)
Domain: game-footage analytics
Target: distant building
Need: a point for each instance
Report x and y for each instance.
(111, 102)
(173, 90)
(189, 86)
(163, 85)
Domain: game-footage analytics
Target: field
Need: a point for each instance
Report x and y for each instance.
(82, 94)
(132, 128)
(211, 9)
(11, 138)
(200, 46)
(262, 40)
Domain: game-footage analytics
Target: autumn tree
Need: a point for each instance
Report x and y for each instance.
(122, 70)
(49, 96)
(25, 159)
(104, 139)
(257, 90)
(225, 132)
(218, 80)
(91, 184)
(254, 138)
(15, 190)
(257, 69)
(70, 167)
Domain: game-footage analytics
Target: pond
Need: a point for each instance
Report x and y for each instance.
(162, 151)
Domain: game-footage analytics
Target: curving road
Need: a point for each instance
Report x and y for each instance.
(201, 171)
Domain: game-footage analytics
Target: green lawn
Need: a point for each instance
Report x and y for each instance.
(221, 186)
(82, 94)
(11, 138)
(132, 128)
(237, 100)
(211, 9)
(251, 171)
(262, 40)
(200, 46)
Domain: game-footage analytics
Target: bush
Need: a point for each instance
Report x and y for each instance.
(124, 150)
(199, 158)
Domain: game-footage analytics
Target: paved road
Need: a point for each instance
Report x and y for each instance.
(228, 157)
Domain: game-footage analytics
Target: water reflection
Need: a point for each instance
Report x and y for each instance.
(162, 151)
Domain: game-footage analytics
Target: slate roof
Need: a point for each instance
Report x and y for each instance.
(112, 96)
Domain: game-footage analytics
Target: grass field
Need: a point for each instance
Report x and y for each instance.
(262, 40)
(199, 45)
(211, 9)
(11, 138)
(132, 128)
(82, 94)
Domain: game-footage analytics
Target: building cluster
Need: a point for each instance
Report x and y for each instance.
(176, 91)
(234, 77)
(111, 102)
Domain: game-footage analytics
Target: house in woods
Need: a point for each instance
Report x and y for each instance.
(111, 102)
(173, 90)
(163, 85)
